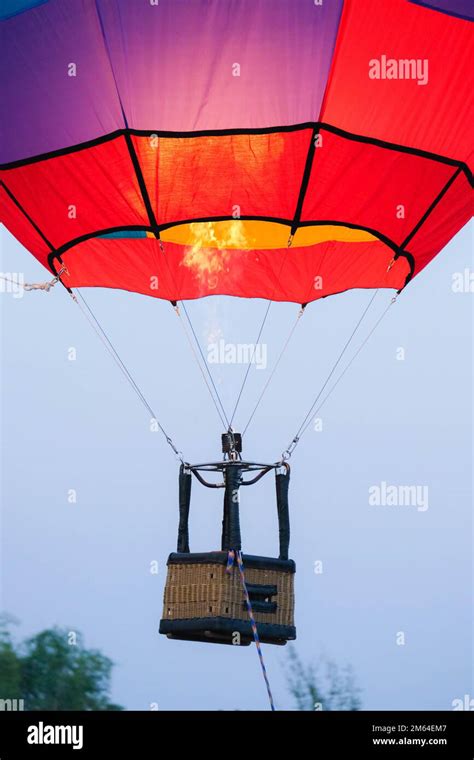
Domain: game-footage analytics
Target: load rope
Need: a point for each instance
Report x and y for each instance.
(237, 555)
(46, 286)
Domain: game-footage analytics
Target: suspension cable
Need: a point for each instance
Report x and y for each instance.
(250, 362)
(364, 342)
(222, 415)
(205, 363)
(275, 367)
(290, 240)
(102, 335)
(295, 440)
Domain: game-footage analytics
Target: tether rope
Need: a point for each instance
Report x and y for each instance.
(46, 286)
(307, 420)
(102, 335)
(237, 555)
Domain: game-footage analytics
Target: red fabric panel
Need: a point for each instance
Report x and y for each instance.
(453, 212)
(279, 274)
(196, 177)
(437, 116)
(22, 229)
(365, 185)
(99, 181)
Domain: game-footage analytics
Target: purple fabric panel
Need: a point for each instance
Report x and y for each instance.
(460, 8)
(174, 62)
(169, 66)
(43, 108)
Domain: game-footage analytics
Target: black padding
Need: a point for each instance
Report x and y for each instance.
(184, 502)
(262, 606)
(260, 590)
(201, 629)
(282, 482)
(231, 522)
(220, 558)
(225, 543)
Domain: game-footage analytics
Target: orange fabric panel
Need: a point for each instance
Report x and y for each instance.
(225, 175)
(257, 235)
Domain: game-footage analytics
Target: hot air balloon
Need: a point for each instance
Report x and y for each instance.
(268, 149)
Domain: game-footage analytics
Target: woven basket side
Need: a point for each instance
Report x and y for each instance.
(207, 590)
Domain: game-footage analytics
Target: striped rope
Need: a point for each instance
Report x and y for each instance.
(232, 556)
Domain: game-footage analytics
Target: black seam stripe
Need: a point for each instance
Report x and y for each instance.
(438, 9)
(151, 133)
(141, 183)
(62, 151)
(400, 148)
(26, 215)
(56, 255)
(304, 181)
(286, 222)
(52, 258)
(432, 207)
(411, 263)
(315, 125)
(226, 218)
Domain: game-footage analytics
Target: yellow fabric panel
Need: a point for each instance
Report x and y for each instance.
(256, 235)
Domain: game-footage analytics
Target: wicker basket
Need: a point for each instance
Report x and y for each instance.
(204, 602)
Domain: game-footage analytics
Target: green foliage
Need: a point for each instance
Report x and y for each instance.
(54, 671)
(324, 686)
(10, 667)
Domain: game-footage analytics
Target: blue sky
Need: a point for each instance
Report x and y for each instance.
(386, 569)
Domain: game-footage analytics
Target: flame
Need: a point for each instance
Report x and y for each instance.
(208, 254)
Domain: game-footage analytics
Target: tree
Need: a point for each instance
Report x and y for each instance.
(324, 686)
(54, 671)
(10, 668)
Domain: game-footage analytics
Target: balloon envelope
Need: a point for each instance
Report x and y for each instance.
(175, 148)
